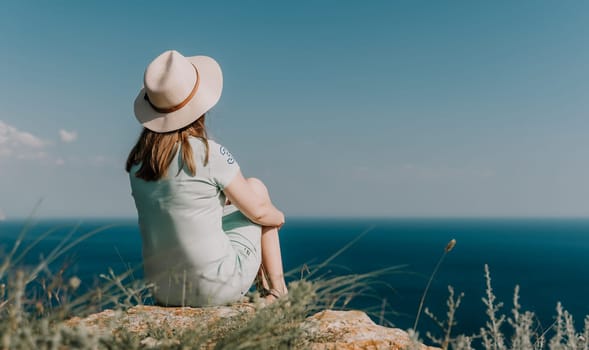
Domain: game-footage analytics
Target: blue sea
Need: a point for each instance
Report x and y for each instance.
(547, 258)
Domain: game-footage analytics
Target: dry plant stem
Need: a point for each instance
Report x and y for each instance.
(21, 235)
(382, 310)
(343, 249)
(16, 311)
(446, 326)
(429, 282)
(62, 248)
(453, 305)
(494, 338)
(336, 292)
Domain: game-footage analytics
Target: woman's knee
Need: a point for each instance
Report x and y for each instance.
(258, 186)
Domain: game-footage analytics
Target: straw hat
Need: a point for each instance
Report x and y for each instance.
(177, 91)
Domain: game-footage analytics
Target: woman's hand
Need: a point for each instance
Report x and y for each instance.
(282, 221)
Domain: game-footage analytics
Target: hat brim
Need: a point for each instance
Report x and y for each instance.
(207, 96)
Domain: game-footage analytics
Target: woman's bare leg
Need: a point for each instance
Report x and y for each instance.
(271, 274)
(271, 268)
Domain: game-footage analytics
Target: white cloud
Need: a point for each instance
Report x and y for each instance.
(20, 144)
(11, 136)
(68, 136)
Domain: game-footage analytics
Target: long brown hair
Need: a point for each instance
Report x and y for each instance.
(155, 151)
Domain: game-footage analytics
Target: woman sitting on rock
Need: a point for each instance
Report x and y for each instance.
(207, 231)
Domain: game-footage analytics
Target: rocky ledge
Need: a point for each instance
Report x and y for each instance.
(327, 329)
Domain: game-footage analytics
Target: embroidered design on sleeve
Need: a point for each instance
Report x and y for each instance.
(225, 152)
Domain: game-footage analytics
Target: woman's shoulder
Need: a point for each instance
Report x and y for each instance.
(199, 142)
(213, 143)
(215, 146)
(215, 149)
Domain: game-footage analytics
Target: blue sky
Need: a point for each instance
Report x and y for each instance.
(376, 108)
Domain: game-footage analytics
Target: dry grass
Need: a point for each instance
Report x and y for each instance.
(519, 330)
(35, 302)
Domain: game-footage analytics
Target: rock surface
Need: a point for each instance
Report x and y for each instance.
(328, 329)
(355, 330)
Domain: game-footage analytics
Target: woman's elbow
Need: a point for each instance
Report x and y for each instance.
(260, 213)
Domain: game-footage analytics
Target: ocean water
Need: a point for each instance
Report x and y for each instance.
(547, 258)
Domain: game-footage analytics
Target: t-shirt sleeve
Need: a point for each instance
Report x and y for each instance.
(223, 165)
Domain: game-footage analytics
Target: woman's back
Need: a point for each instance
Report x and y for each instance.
(180, 217)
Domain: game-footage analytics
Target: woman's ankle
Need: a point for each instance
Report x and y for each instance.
(279, 288)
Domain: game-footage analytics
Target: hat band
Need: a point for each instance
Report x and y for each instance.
(182, 104)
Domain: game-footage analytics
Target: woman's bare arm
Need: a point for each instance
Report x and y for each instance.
(255, 206)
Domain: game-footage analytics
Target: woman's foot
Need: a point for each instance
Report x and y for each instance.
(273, 294)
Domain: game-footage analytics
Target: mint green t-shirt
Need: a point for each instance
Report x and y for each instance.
(186, 253)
